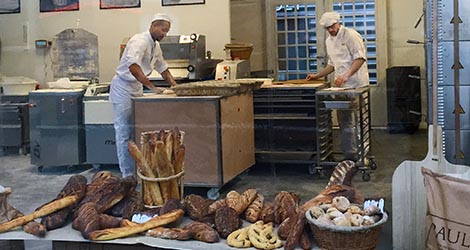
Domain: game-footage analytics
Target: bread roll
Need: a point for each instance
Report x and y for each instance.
(244, 200)
(254, 209)
(203, 232)
(231, 200)
(216, 205)
(226, 221)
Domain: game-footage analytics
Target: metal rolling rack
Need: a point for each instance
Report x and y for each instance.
(325, 102)
(286, 119)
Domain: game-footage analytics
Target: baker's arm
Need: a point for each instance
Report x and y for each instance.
(168, 77)
(137, 72)
(324, 72)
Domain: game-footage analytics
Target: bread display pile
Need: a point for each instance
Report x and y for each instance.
(102, 209)
(89, 205)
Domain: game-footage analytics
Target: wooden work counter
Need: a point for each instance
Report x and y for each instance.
(218, 133)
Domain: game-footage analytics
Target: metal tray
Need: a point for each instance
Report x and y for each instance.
(337, 104)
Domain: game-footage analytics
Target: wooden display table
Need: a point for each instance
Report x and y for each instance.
(219, 134)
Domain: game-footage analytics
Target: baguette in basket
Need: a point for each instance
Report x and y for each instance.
(160, 165)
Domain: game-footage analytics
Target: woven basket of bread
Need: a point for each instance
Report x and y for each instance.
(162, 178)
(335, 237)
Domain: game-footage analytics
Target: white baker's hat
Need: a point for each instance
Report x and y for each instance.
(329, 18)
(161, 16)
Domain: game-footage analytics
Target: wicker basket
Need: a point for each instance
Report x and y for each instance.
(240, 51)
(333, 237)
(156, 181)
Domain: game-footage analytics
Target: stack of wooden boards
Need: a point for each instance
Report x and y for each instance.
(160, 165)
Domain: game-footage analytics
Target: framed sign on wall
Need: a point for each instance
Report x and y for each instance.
(118, 4)
(182, 2)
(58, 5)
(9, 6)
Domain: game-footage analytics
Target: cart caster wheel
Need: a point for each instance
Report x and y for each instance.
(321, 173)
(40, 169)
(311, 169)
(96, 167)
(366, 177)
(373, 165)
(213, 193)
(69, 168)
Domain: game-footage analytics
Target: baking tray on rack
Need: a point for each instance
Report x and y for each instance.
(338, 104)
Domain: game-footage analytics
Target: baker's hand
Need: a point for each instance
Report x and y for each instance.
(340, 80)
(312, 76)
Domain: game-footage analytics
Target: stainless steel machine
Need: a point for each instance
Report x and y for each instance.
(99, 128)
(187, 58)
(56, 127)
(232, 69)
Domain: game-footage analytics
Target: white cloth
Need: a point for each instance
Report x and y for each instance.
(143, 51)
(162, 17)
(329, 18)
(342, 50)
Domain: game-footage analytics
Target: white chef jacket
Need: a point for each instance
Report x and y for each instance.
(141, 50)
(342, 50)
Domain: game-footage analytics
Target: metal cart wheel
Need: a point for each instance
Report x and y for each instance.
(40, 169)
(365, 176)
(312, 169)
(69, 168)
(96, 167)
(321, 173)
(213, 193)
(373, 164)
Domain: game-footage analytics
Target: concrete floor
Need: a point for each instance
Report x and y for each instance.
(32, 188)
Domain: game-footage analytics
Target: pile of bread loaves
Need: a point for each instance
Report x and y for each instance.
(102, 209)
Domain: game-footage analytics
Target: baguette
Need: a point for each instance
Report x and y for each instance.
(152, 193)
(47, 209)
(177, 141)
(120, 232)
(170, 233)
(165, 169)
(169, 146)
(179, 159)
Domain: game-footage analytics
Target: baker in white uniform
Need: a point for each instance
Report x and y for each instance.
(141, 56)
(347, 58)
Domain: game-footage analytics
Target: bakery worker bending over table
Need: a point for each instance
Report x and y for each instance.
(346, 57)
(142, 54)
